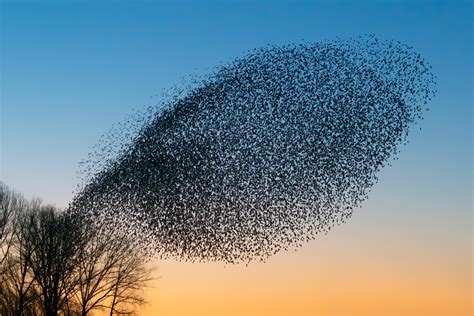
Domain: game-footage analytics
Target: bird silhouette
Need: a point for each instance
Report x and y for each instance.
(262, 154)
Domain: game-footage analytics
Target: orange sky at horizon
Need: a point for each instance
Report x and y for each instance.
(74, 73)
(362, 268)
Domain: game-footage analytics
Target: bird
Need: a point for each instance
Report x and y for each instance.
(262, 154)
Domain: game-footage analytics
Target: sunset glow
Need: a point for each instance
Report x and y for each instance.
(72, 71)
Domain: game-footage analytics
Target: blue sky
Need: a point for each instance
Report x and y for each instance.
(70, 70)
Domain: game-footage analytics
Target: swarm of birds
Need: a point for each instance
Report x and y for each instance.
(262, 154)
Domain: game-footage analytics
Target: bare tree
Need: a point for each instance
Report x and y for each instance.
(97, 260)
(10, 203)
(6, 239)
(112, 272)
(53, 241)
(130, 276)
(56, 262)
(17, 292)
(19, 280)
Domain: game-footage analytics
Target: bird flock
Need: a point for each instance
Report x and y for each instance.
(262, 154)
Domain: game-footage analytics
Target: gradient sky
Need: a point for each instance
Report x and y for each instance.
(70, 70)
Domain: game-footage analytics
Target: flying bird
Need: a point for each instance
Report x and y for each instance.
(262, 154)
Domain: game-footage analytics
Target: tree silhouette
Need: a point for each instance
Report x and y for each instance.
(111, 272)
(57, 263)
(53, 242)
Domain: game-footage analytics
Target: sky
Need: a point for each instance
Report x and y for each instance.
(70, 70)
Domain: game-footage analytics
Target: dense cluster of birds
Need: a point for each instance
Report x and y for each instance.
(262, 154)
